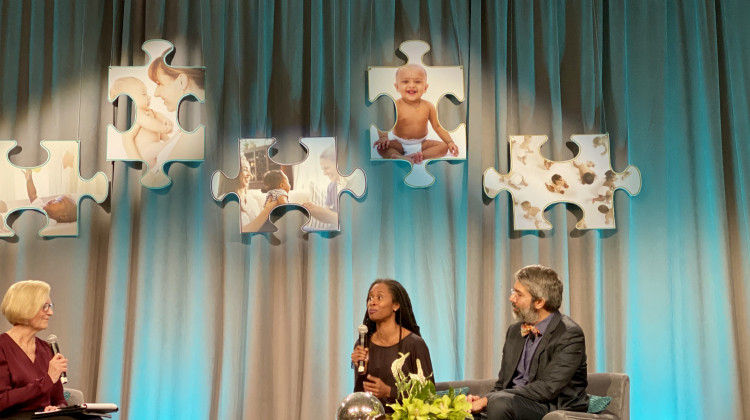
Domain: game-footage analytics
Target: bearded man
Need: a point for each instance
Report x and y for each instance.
(543, 365)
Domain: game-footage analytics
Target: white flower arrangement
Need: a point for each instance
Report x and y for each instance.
(418, 399)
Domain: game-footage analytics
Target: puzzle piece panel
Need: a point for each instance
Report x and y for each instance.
(156, 137)
(315, 185)
(417, 137)
(53, 188)
(587, 181)
(419, 176)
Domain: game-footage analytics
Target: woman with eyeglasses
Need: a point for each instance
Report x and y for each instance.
(29, 372)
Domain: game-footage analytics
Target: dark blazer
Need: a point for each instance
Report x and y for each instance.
(557, 375)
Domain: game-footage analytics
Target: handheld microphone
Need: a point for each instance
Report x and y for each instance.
(362, 332)
(52, 340)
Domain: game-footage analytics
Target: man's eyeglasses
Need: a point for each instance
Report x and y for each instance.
(47, 306)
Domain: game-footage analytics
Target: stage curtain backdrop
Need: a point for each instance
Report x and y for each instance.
(164, 308)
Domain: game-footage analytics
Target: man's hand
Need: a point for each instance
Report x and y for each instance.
(377, 387)
(477, 404)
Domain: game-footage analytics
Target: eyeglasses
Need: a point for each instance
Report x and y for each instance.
(47, 306)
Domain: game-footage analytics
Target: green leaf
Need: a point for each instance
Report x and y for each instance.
(419, 400)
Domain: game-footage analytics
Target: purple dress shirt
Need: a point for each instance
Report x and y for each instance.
(521, 377)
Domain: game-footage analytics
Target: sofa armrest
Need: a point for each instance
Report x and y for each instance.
(615, 385)
(577, 415)
(74, 396)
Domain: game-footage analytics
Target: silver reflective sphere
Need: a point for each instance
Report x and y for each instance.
(360, 406)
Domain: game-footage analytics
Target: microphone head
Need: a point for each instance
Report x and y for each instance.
(362, 329)
(52, 338)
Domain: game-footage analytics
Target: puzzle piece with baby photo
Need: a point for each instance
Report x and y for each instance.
(156, 137)
(314, 185)
(587, 181)
(54, 188)
(417, 137)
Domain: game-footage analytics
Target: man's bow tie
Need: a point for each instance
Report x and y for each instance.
(528, 328)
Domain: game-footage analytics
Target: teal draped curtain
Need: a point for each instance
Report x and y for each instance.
(164, 308)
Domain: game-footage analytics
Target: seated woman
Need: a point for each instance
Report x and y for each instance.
(29, 372)
(391, 329)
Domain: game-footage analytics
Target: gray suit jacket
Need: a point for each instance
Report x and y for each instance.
(558, 368)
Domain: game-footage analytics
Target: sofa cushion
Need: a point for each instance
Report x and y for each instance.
(614, 385)
(464, 390)
(478, 387)
(597, 404)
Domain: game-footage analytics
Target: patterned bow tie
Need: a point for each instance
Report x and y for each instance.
(528, 328)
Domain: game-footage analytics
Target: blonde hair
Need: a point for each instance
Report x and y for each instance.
(23, 300)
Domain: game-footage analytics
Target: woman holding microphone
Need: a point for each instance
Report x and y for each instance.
(29, 371)
(391, 329)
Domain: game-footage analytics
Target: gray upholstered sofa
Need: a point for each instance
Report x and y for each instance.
(73, 396)
(615, 385)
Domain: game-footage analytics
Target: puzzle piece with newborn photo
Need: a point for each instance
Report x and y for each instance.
(155, 136)
(54, 188)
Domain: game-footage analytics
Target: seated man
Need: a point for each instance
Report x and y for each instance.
(544, 357)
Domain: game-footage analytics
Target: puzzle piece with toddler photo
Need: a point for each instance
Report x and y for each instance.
(417, 137)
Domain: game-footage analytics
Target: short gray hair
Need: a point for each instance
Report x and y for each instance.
(543, 283)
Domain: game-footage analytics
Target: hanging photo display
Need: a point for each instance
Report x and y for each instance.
(588, 181)
(313, 185)
(155, 136)
(417, 137)
(53, 188)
